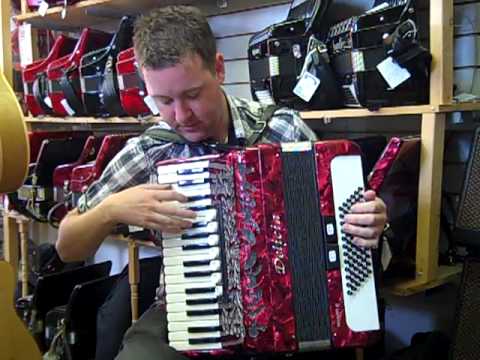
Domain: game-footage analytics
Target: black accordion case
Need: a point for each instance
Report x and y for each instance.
(277, 53)
(359, 44)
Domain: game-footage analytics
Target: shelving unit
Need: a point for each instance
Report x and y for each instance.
(94, 12)
(433, 115)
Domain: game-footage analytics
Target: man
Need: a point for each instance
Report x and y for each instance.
(183, 73)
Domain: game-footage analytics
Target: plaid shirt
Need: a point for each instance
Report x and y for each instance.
(135, 163)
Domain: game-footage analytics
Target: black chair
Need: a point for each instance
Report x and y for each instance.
(55, 290)
(75, 323)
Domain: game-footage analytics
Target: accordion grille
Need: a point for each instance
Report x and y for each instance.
(306, 249)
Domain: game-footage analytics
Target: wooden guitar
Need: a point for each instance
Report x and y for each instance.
(15, 341)
(14, 148)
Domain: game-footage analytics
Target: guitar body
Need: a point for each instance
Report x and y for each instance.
(14, 148)
(16, 343)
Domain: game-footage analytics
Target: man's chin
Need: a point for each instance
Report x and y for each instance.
(194, 137)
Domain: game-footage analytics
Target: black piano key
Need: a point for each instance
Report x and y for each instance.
(203, 312)
(190, 171)
(196, 246)
(194, 274)
(196, 236)
(182, 183)
(199, 208)
(202, 301)
(200, 291)
(204, 341)
(197, 197)
(196, 263)
(203, 329)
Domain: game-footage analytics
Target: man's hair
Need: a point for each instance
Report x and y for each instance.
(168, 34)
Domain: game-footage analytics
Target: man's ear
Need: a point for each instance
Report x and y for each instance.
(220, 67)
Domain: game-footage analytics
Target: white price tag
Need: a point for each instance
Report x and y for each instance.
(151, 105)
(48, 101)
(306, 86)
(393, 73)
(67, 107)
(42, 8)
(25, 44)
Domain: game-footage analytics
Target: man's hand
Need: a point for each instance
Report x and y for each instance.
(151, 206)
(366, 220)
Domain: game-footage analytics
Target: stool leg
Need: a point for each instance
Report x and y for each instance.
(23, 230)
(359, 354)
(133, 277)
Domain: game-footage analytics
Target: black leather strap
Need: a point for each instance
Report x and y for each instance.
(109, 89)
(40, 92)
(71, 89)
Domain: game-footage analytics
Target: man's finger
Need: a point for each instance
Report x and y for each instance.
(374, 206)
(367, 219)
(173, 208)
(156, 186)
(365, 232)
(366, 243)
(169, 195)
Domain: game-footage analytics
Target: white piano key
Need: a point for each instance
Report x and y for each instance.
(179, 242)
(182, 289)
(182, 297)
(185, 335)
(182, 316)
(178, 251)
(214, 265)
(185, 346)
(211, 254)
(210, 228)
(179, 307)
(189, 166)
(174, 178)
(207, 215)
(193, 190)
(182, 279)
(184, 326)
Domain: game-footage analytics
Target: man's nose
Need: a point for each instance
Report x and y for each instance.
(182, 112)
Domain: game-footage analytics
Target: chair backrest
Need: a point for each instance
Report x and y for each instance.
(55, 289)
(466, 337)
(469, 206)
(81, 314)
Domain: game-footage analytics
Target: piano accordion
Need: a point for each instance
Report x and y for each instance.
(265, 267)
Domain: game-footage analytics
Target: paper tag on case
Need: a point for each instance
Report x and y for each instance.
(306, 86)
(42, 8)
(67, 107)
(151, 104)
(393, 73)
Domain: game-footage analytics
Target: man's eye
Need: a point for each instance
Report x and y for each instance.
(164, 101)
(193, 95)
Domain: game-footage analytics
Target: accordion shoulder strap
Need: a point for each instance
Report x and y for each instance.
(172, 137)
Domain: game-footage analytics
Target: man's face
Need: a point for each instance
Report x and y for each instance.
(189, 97)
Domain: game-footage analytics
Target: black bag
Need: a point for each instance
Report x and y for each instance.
(425, 346)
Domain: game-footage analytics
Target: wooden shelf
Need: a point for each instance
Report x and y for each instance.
(445, 275)
(389, 111)
(95, 12)
(92, 120)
